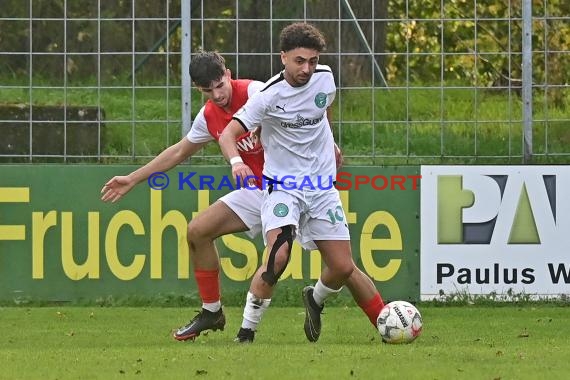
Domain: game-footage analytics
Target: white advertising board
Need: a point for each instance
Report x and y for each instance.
(495, 229)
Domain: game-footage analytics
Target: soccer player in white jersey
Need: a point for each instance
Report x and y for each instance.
(300, 199)
(237, 211)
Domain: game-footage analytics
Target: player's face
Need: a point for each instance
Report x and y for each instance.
(300, 64)
(220, 91)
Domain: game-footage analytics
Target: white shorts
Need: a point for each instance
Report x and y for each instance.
(246, 203)
(316, 215)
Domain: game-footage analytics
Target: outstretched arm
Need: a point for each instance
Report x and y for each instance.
(118, 186)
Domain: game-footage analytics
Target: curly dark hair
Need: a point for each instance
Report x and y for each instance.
(206, 67)
(302, 35)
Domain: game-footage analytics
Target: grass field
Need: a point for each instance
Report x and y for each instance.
(468, 342)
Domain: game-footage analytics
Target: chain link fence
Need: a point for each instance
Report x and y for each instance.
(419, 82)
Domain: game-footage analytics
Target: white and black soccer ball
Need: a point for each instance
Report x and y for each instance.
(399, 322)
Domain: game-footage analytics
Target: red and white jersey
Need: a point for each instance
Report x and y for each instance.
(211, 121)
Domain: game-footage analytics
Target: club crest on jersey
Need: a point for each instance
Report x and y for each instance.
(321, 99)
(280, 210)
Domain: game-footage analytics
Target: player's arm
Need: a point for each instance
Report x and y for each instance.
(256, 133)
(337, 152)
(230, 151)
(118, 186)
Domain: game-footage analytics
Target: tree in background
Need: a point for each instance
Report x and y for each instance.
(407, 38)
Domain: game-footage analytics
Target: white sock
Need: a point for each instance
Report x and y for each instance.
(253, 311)
(213, 307)
(321, 292)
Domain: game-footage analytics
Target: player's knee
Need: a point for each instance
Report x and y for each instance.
(279, 255)
(192, 232)
(347, 271)
(343, 271)
(283, 245)
(197, 233)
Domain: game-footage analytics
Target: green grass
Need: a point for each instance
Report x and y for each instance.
(395, 126)
(469, 342)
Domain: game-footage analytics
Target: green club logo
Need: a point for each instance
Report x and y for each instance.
(280, 210)
(321, 99)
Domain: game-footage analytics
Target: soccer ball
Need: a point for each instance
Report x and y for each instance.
(399, 322)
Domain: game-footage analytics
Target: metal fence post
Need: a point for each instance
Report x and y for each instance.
(186, 46)
(527, 80)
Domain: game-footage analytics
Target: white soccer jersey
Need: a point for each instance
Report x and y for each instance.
(199, 132)
(295, 133)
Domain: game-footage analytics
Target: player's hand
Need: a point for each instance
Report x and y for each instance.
(241, 173)
(115, 188)
(256, 133)
(338, 156)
